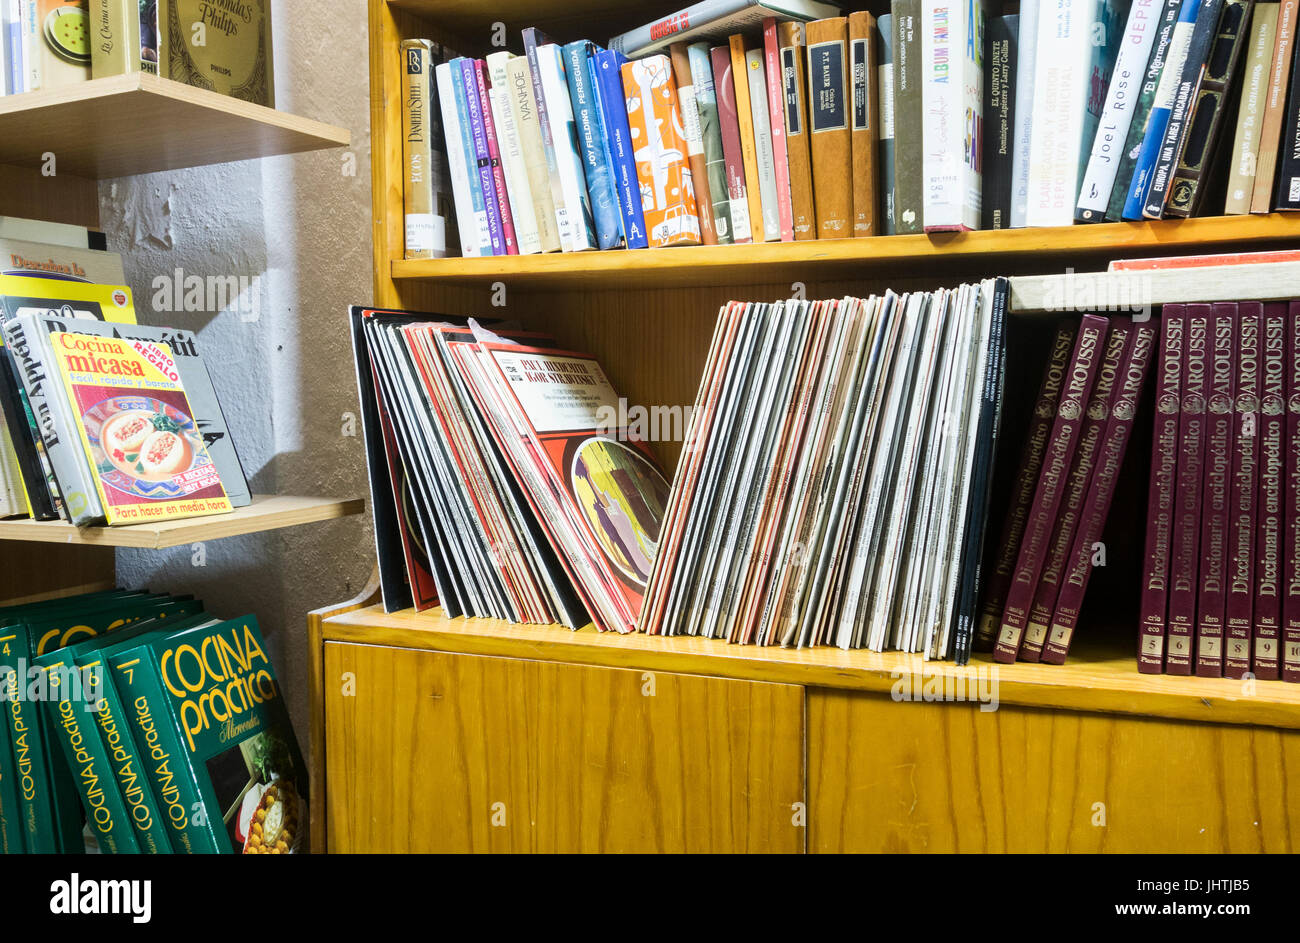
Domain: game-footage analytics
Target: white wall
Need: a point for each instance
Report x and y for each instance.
(302, 226)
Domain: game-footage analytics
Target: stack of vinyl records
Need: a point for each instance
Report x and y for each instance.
(834, 485)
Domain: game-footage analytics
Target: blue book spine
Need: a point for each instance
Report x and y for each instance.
(14, 43)
(1158, 119)
(482, 163)
(471, 160)
(607, 80)
(591, 142)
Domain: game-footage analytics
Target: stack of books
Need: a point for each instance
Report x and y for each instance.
(741, 121)
(125, 739)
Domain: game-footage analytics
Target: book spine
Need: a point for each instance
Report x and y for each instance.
(126, 763)
(866, 117)
(774, 78)
(482, 164)
(999, 121)
(732, 150)
(479, 199)
(680, 57)
(952, 101)
(748, 150)
(167, 765)
(523, 103)
(11, 836)
(1076, 389)
(1275, 107)
(527, 234)
(591, 134)
(1096, 509)
(115, 46)
(1086, 453)
(33, 40)
(1145, 98)
(1022, 137)
(1161, 105)
(423, 240)
(608, 82)
(1117, 115)
(794, 94)
(467, 219)
(28, 346)
(908, 117)
(657, 34)
(504, 215)
(828, 122)
(1266, 618)
(1286, 196)
(1254, 92)
(715, 162)
(1238, 607)
(1218, 475)
(1022, 494)
(32, 778)
(885, 126)
(534, 40)
(670, 209)
(559, 112)
(767, 186)
(1186, 96)
(1210, 110)
(88, 762)
(1291, 463)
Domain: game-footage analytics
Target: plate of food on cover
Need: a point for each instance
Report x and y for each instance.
(144, 446)
(270, 819)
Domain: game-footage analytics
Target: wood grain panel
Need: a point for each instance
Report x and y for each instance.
(450, 753)
(935, 777)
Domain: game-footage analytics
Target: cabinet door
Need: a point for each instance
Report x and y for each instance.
(436, 752)
(948, 777)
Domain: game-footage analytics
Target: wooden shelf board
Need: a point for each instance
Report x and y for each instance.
(139, 123)
(266, 512)
(774, 262)
(1097, 678)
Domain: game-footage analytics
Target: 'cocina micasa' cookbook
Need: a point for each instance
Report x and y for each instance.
(137, 429)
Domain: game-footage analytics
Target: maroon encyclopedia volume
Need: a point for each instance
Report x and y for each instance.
(1076, 492)
(1245, 461)
(1061, 445)
(1160, 506)
(1218, 472)
(1031, 462)
(1291, 580)
(1096, 508)
(1266, 626)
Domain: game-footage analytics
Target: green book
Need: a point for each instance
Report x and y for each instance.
(11, 836)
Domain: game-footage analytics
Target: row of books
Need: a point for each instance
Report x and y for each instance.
(1221, 580)
(102, 420)
(835, 485)
(224, 47)
(1064, 484)
(501, 482)
(138, 723)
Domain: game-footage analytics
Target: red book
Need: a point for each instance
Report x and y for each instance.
(494, 152)
(1180, 633)
(776, 107)
(1218, 474)
(1061, 445)
(1291, 557)
(1266, 625)
(1160, 500)
(1022, 495)
(1076, 492)
(1096, 507)
(729, 125)
(1238, 607)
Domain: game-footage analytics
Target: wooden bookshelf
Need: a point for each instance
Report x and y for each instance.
(560, 723)
(140, 123)
(265, 512)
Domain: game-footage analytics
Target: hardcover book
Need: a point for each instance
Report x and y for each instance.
(1291, 488)
(748, 143)
(885, 126)
(607, 80)
(579, 221)
(534, 40)
(1266, 617)
(426, 235)
(714, 19)
(775, 99)
(908, 116)
(1239, 605)
(715, 162)
(863, 59)
(795, 88)
(591, 145)
(1286, 195)
(511, 148)
(235, 57)
(952, 100)
(1000, 56)
(830, 137)
(1275, 108)
(523, 102)
(732, 149)
(768, 193)
(1026, 70)
(1254, 92)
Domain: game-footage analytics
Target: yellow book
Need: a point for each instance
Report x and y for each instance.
(137, 429)
(748, 150)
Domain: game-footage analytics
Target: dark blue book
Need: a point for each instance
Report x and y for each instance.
(591, 143)
(607, 81)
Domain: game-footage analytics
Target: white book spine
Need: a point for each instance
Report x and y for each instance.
(1027, 44)
(559, 114)
(952, 105)
(1117, 115)
(512, 163)
(31, 45)
(466, 219)
(754, 71)
(1062, 66)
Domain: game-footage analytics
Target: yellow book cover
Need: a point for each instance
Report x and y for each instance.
(137, 428)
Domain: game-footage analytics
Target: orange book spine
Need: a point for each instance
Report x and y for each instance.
(865, 104)
(830, 141)
(748, 149)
